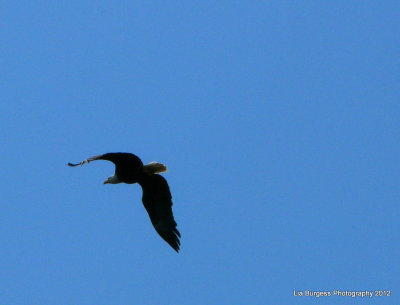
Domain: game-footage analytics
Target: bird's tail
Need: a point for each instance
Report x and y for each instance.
(155, 168)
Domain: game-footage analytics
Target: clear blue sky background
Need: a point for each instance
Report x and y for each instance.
(278, 120)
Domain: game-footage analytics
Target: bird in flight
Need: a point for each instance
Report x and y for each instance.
(156, 198)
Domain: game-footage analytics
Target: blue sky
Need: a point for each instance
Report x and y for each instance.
(278, 120)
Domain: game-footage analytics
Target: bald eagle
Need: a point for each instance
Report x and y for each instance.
(156, 198)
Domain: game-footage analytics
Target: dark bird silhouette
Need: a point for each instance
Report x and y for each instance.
(156, 198)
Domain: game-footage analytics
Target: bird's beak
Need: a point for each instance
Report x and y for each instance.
(106, 181)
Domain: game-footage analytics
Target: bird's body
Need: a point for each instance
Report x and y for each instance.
(157, 198)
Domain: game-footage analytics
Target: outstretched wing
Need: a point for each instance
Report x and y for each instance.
(123, 159)
(157, 200)
(98, 157)
(125, 163)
